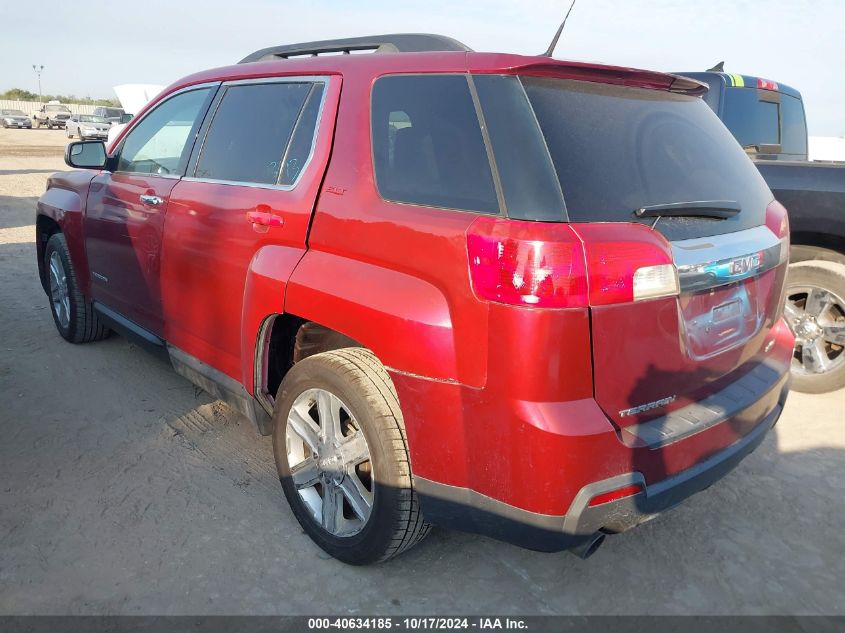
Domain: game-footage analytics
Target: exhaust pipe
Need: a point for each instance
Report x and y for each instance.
(589, 547)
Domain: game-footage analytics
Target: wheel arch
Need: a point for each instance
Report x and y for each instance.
(284, 340)
(45, 228)
(403, 319)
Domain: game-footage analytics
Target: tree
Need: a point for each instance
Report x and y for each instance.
(18, 94)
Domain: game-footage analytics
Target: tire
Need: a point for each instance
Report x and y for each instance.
(67, 132)
(363, 389)
(815, 311)
(73, 314)
(801, 253)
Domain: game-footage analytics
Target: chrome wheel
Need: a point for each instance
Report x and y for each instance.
(329, 462)
(817, 319)
(59, 296)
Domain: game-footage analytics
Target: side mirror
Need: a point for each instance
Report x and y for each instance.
(86, 155)
(126, 118)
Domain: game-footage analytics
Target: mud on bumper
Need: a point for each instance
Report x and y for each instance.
(469, 511)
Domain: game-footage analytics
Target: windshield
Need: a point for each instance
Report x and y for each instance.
(12, 113)
(112, 112)
(91, 118)
(616, 149)
(56, 108)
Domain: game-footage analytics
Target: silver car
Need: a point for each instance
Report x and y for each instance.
(87, 126)
(14, 118)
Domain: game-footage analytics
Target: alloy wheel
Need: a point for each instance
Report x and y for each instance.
(59, 295)
(816, 317)
(329, 461)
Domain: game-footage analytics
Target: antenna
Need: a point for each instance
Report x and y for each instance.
(551, 47)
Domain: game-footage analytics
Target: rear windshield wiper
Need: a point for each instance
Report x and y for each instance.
(720, 209)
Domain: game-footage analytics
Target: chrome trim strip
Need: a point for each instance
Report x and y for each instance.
(238, 183)
(325, 80)
(280, 79)
(719, 260)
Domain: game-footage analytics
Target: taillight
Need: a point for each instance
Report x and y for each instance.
(627, 262)
(777, 221)
(542, 264)
(766, 84)
(533, 264)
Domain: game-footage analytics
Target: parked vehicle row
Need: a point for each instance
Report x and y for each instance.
(534, 299)
(55, 115)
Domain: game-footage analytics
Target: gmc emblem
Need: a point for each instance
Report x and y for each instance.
(743, 265)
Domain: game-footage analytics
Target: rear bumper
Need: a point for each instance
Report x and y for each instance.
(467, 510)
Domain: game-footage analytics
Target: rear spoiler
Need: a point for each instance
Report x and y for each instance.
(615, 75)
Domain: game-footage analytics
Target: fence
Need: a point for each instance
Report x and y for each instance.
(30, 107)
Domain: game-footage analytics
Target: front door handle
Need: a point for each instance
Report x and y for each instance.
(264, 216)
(153, 200)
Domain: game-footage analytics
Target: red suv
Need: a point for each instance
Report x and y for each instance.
(534, 299)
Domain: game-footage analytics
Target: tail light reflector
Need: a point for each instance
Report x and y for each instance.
(615, 495)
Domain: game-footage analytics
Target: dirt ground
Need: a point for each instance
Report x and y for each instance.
(124, 490)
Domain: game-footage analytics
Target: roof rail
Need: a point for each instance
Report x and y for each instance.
(391, 43)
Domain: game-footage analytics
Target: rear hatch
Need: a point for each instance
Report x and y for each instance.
(684, 277)
(617, 150)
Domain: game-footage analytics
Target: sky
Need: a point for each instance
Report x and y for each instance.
(89, 46)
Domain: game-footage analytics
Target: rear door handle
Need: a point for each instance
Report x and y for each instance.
(153, 200)
(263, 216)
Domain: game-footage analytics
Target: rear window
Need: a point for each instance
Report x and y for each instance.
(752, 120)
(427, 144)
(616, 149)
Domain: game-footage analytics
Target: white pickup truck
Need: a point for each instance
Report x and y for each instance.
(52, 114)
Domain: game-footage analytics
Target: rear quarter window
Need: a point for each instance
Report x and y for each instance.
(428, 148)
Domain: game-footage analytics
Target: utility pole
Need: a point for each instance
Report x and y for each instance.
(38, 70)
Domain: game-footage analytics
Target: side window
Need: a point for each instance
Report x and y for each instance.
(160, 143)
(261, 133)
(427, 143)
